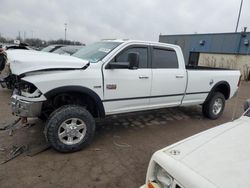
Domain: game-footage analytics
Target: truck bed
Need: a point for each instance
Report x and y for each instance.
(202, 79)
(196, 67)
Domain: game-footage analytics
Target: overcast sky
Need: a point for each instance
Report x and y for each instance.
(92, 20)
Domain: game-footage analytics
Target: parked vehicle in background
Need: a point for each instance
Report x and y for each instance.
(17, 45)
(68, 50)
(216, 158)
(111, 77)
(52, 48)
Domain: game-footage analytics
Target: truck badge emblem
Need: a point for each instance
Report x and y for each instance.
(175, 152)
(111, 86)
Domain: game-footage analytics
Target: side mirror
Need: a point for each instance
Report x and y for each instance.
(247, 105)
(133, 59)
(133, 63)
(118, 65)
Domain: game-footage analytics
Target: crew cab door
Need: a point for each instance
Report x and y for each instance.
(127, 90)
(169, 77)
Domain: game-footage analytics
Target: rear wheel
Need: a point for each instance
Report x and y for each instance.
(214, 107)
(70, 128)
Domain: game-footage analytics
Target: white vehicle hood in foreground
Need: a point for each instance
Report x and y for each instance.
(23, 61)
(220, 155)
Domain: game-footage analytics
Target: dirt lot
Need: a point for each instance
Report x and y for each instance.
(118, 156)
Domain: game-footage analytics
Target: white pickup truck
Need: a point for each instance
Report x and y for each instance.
(110, 77)
(216, 158)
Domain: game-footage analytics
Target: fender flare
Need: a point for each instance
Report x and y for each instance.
(215, 87)
(78, 89)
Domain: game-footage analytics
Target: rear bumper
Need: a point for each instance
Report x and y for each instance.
(26, 107)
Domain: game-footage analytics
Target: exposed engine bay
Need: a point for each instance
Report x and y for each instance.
(4, 70)
(3, 59)
(7, 80)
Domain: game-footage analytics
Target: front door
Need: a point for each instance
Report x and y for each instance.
(127, 90)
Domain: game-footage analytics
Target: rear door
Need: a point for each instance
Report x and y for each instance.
(127, 90)
(169, 78)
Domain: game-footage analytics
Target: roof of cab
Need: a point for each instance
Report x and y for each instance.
(140, 41)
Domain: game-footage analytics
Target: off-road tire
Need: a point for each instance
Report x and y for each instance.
(58, 117)
(207, 107)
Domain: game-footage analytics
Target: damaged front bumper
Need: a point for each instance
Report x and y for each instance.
(26, 107)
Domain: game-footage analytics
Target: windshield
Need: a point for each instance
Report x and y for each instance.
(96, 51)
(59, 51)
(47, 49)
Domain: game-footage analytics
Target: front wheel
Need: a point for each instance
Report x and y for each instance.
(70, 128)
(214, 107)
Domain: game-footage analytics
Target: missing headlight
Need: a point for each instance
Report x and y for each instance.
(26, 87)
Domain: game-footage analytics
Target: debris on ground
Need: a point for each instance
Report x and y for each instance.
(16, 151)
(11, 132)
(122, 145)
(9, 126)
(32, 151)
(29, 151)
(28, 125)
(96, 149)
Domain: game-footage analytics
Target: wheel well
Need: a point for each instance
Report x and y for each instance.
(79, 96)
(223, 88)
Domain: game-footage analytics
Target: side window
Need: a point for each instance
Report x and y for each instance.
(163, 58)
(143, 56)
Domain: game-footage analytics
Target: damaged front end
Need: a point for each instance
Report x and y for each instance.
(20, 69)
(26, 100)
(6, 78)
(3, 59)
(8, 82)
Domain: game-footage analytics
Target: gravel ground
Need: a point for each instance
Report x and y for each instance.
(119, 155)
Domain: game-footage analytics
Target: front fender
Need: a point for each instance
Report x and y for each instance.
(78, 89)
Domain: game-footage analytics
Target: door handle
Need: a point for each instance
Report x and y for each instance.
(179, 76)
(143, 77)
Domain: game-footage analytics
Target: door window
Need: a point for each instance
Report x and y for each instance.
(143, 56)
(164, 58)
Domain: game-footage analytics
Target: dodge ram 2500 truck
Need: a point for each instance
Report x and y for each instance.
(216, 158)
(110, 77)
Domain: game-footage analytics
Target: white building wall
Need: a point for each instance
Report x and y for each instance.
(229, 61)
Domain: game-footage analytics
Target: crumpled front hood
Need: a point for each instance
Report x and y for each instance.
(23, 61)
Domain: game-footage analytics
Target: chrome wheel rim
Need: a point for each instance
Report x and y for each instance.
(217, 106)
(72, 131)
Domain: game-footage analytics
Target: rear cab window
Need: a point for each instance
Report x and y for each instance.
(164, 58)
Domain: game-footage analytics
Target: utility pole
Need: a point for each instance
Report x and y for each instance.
(19, 35)
(238, 20)
(65, 29)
